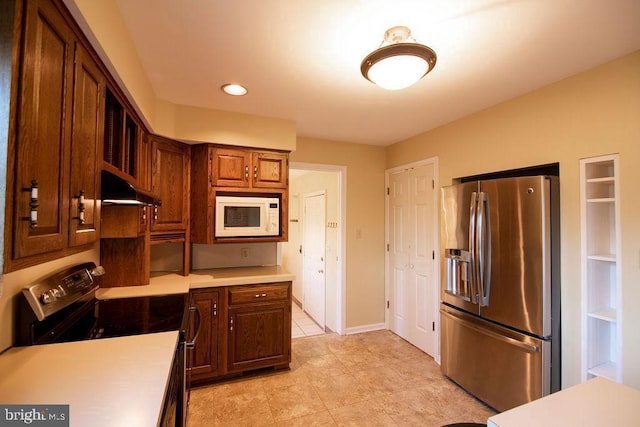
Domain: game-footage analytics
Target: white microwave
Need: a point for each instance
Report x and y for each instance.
(247, 216)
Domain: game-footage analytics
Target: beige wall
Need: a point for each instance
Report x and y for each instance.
(590, 114)
(364, 224)
(224, 127)
(104, 26)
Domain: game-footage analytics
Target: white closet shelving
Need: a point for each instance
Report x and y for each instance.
(600, 258)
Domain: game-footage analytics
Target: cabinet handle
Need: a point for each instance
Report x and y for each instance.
(255, 172)
(246, 173)
(81, 207)
(33, 204)
(231, 324)
(261, 295)
(196, 309)
(143, 215)
(215, 309)
(264, 295)
(210, 168)
(155, 212)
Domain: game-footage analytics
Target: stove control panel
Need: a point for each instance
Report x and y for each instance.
(47, 297)
(61, 289)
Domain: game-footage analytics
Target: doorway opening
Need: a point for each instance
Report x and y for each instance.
(306, 181)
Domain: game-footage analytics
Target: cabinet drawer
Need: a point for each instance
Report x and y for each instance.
(258, 293)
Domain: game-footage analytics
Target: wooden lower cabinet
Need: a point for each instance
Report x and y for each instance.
(255, 335)
(205, 302)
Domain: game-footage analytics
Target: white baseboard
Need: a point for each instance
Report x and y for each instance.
(365, 328)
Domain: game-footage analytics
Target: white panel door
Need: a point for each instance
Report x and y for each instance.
(314, 238)
(411, 256)
(398, 252)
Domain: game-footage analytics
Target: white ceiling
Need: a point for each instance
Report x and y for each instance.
(300, 59)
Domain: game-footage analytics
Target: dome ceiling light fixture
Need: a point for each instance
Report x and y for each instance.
(399, 62)
(234, 89)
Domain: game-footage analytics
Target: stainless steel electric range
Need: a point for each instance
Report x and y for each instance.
(62, 308)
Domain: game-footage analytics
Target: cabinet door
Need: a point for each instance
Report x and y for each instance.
(259, 336)
(143, 176)
(204, 357)
(231, 167)
(202, 194)
(123, 138)
(170, 180)
(44, 125)
(86, 150)
(270, 170)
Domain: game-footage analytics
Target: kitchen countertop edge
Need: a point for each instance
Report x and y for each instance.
(596, 402)
(104, 365)
(163, 283)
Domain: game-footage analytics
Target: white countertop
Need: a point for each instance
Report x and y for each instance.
(595, 403)
(107, 382)
(173, 283)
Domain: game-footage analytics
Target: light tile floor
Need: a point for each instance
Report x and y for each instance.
(302, 325)
(369, 379)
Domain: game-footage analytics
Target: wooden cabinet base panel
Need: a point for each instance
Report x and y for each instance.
(207, 379)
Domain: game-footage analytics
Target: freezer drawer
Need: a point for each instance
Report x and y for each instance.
(503, 368)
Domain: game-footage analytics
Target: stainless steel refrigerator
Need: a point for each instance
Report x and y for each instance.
(500, 311)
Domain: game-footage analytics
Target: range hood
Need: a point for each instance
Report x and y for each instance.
(118, 191)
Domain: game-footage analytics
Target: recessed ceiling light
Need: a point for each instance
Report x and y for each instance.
(234, 89)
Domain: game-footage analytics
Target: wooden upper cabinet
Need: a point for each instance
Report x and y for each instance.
(249, 168)
(217, 170)
(202, 194)
(270, 170)
(231, 167)
(123, 139)
(144, 162)
(170, 180)
(86, 150)
(41, 183)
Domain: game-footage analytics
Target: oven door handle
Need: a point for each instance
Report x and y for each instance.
(196, 309)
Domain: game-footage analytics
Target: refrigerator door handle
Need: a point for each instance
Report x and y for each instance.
(483, 248)
(472, 245)
(529, 348)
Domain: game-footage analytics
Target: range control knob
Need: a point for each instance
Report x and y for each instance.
(58, 292)
(47, 297)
